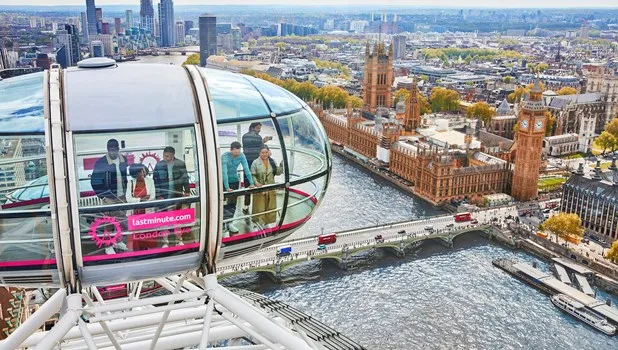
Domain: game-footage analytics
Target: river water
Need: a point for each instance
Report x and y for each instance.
(435, 298)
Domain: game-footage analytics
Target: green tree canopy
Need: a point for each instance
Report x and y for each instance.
(442, 99)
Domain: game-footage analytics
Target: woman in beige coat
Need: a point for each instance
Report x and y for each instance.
(264, 169)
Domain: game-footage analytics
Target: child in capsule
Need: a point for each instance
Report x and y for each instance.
(140, 188)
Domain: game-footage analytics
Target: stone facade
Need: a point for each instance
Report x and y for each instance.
(378, 77)
(604, 80)
(594, 198)
(579, 114)
(529, 145)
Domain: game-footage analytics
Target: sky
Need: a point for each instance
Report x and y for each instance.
(424, 3)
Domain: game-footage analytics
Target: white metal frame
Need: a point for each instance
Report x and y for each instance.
(198, 313)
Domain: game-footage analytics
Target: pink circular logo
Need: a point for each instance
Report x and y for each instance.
(107, 238)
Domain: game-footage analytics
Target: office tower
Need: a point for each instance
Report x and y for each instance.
(180, 32)
(208, 37)
(236, 42)
(188, 27)
(146, 14)
(117, 25)
(91, 17)
(224, 28)
(97, 49)
(84, 27)
(43, 61)
(129, 19)
(67, 40)
(399, 46)
(105, 28)
(4, 56)
(99, 16)
(108, 43)
(166, 23)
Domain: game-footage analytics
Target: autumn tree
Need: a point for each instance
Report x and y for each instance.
(508, 79)
(442, 99)
(403, 94)
(355, 101)
(193, 59)
(612, 128)
(567, 90)
(612, 253)
(550, 122)
(564, 225)
(482, 111)
(606, 141)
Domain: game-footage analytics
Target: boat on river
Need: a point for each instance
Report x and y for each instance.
(579, 311)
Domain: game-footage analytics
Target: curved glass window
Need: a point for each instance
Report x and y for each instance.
(279, 100)
(233, 96)
(26, 240)
(138, 194)
(21, 104)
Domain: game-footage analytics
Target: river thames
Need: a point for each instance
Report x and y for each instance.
(435, 298)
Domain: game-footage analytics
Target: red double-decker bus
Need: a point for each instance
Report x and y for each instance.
(327, 239)
(462, 217)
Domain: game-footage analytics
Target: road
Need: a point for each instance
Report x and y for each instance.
(306, 248)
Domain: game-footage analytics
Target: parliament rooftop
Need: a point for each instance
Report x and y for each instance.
(61, 229)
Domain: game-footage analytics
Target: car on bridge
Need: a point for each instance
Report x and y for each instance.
(402, 232)
(379, 239)
(285, 250)
(322, 247)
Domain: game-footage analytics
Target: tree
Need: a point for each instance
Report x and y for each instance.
(252, 42)
(606, 140)
(280, 45)
(541, 67)
(482, 111)
(193, 59)
(403, 95)
(564, 225)
(508, 79)
(442, 99)
(355, 101)
(550, 121)
(612, 253)
(567, 90)
(612, 128)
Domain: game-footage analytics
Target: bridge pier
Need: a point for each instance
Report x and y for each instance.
(401, 251)
(277, 276)
(344, 258)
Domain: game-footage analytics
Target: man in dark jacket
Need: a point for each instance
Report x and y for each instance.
(171, 181)
(109, 182)
(109, 175)
(252, 143)
(170, 176)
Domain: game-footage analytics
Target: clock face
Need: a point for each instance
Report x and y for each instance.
(524, 124)
(538, 126)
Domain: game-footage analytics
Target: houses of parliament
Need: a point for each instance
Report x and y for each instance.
(446, 160)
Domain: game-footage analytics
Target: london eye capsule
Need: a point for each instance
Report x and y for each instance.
(114, 173)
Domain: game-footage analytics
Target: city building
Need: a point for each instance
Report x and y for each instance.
(167, 25)
(399, 46)
(129, 19)
(208, 37)
(378, 77)
(97, 49)
(108, 43)
(180, 32)
(43, 60)
(503, 123)
(594, 198)
(117, 25)
(99, 19)
(188, 27)
(68, 38)
(560, 145)
(91, 17)
(603, 79)
(528, 146)
(84, 18)
(146, 14)
(579, 114)
(105, 28)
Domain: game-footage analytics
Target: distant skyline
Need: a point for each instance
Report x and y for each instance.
(423, 3)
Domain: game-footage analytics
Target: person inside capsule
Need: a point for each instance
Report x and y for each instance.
(264, 169)
(252, 143)
(231, 160)
(109, 181)
(140, 188)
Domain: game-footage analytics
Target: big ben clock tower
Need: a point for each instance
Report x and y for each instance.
(529, 146)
